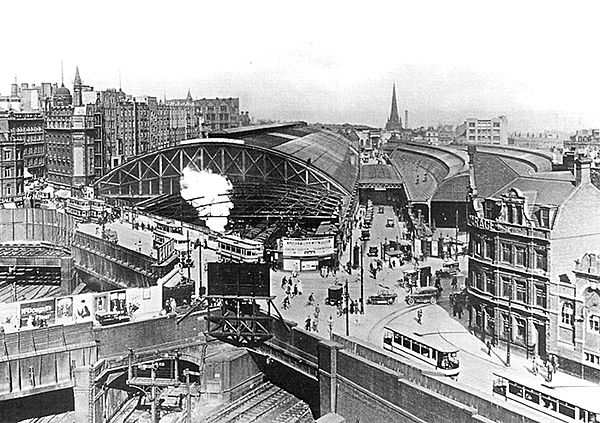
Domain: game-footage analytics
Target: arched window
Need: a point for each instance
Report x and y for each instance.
(567, 313)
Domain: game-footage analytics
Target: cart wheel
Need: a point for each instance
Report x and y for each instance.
(432, 300)
(391, 301)
(368, 301)
(410, 301)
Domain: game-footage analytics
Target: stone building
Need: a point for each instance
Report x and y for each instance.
(523, 240)
(22, 150)
(73, 134)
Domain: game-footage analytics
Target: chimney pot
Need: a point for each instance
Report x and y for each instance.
(582, 171)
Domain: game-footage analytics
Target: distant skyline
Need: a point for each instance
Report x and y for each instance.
(325, 61)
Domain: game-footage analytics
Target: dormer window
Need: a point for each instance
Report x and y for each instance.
(544, 217)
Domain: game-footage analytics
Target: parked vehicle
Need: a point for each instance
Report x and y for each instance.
(449, 268)
(427, 294)
(373, 252)
(389, 223)
(384, 296)
(380, 210)
(365, 235)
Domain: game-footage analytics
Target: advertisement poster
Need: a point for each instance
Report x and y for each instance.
(64, 311)
(118, 302)
(37, 314)
(82, 308)
(144, 300)
(9, 317)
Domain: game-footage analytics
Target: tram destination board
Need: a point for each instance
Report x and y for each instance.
(241, 279)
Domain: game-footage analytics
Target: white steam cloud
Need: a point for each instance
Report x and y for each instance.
(208, 193)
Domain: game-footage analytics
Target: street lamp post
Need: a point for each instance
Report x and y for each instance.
(347, 295)
(362, 283)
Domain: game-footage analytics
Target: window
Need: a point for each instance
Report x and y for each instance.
(541, 261)
(595, 323)
(506, 288)
(491, 283)
(520, 256)
(510, 213)
(520, 328)
(489, 248)
(521, 291)
(7, 172)
(540, 296)
(6, 154)
(545, 218)
(507, 253)
(479, 281)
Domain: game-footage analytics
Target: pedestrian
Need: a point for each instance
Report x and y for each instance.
(295, 289)
(311, 298)
(438, 285)
(283, 282)
(307, 323)
(489, 347)
(300, 287)
(454, 283)
(554, 362)
(460, 311)
(419, 316)
(315, 325)
(317, 311)
(330, 325)
(286, 302)
(534, 365)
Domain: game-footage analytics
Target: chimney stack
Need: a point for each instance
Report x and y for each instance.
(406, 119)
(582, 171)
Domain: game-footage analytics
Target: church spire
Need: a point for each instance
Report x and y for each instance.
(394, 123)
(189, 95)
(77, 80)
(62, 74)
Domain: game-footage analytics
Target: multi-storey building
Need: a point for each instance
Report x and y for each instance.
(215, 113)
(489, 131)
(72, 137)
(578, 319)
(523, 240)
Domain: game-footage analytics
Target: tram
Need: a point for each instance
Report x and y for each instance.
(165, 230)
(240, 250)
(434, 351)
(569, 404)
(78, 208)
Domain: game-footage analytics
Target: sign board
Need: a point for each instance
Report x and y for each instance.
(307, 247)
(241, 279)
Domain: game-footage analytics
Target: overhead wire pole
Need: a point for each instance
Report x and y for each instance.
(347, 295)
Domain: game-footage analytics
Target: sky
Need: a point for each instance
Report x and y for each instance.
(324, 61)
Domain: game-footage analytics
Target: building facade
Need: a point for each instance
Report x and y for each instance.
(522, 243)
(23, 149)
(73, 136)
(578, 319)
(488, 131)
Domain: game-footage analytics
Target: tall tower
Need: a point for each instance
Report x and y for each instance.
(77, 100)
(394, 123)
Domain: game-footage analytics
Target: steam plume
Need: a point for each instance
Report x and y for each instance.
(208, 193)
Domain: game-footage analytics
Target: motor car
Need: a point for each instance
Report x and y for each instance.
(426, 294)
(334, 295)
(389, 223)
(373, 252)
(365, 235)
(380, 210)
(384, 296)
(449, 268)
(409, 277)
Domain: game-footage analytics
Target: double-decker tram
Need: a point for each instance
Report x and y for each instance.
(165, 230)
(567, 403)
(430, 349)
(240, 250)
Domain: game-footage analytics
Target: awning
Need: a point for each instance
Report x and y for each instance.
(171, 279)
